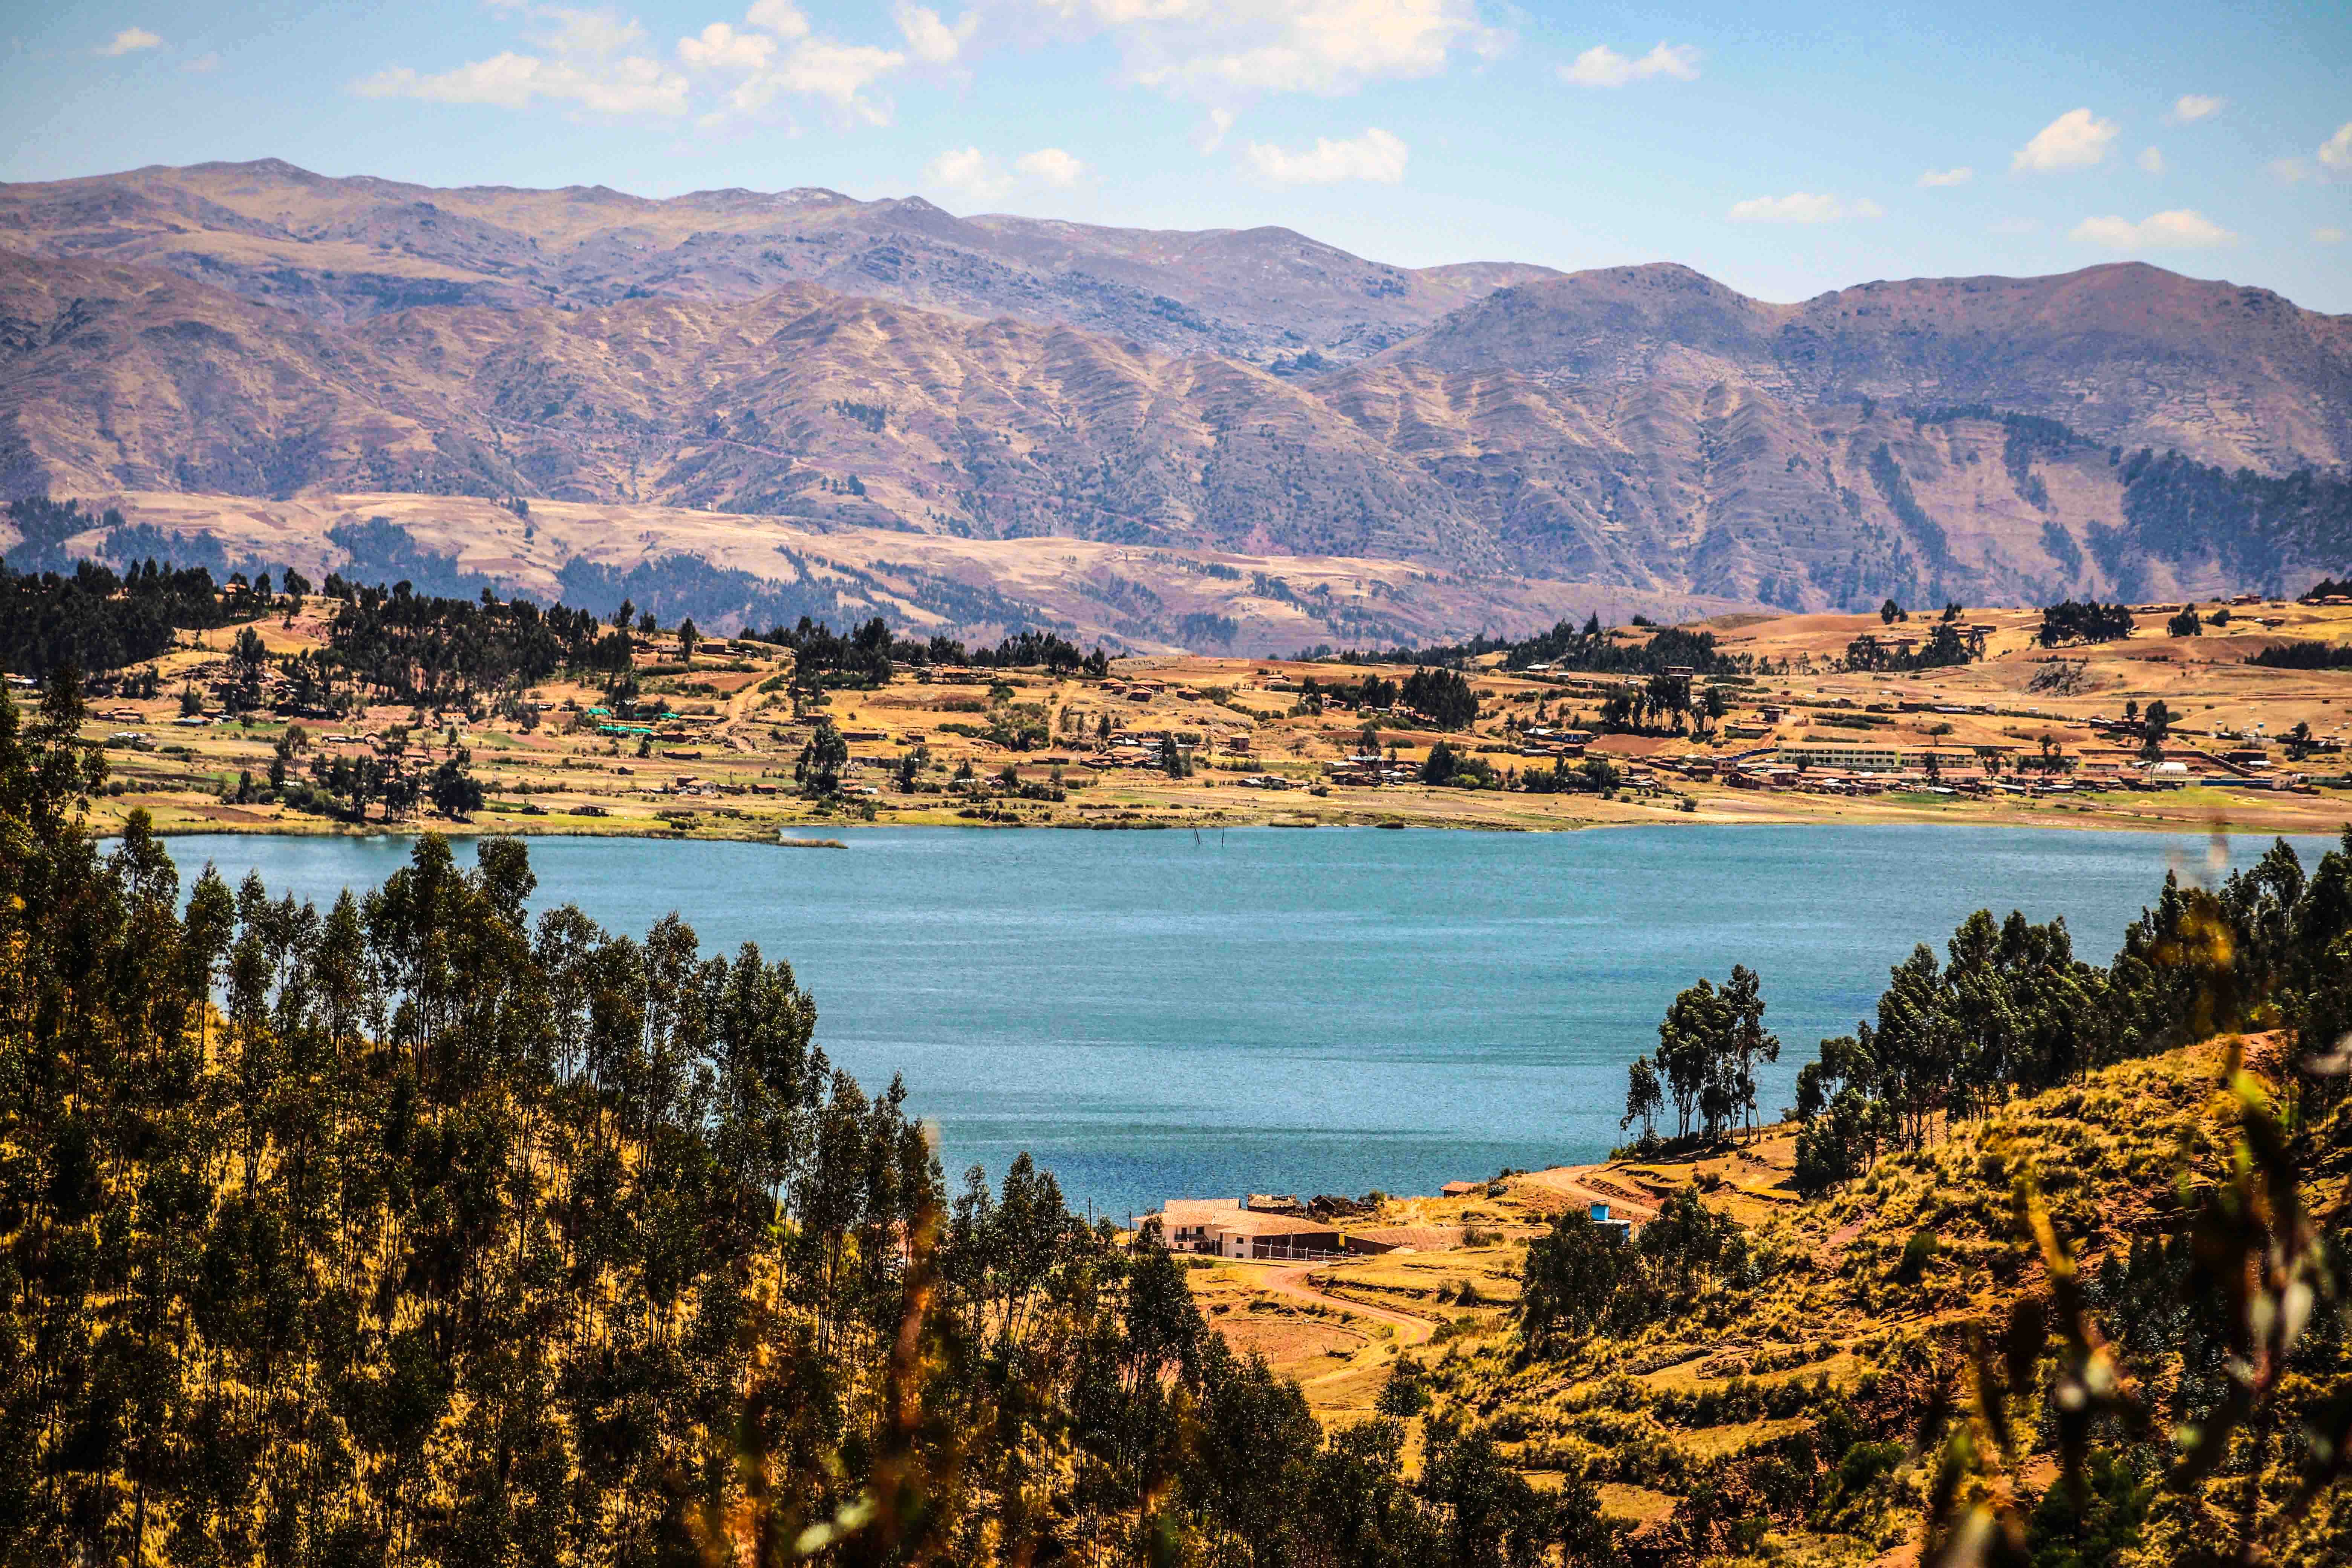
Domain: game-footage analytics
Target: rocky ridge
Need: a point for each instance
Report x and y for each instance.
(252, 329)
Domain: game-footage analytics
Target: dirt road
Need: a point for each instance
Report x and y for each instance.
(1297, 1281)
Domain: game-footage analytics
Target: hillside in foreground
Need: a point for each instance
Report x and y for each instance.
(1781, 1408)
(1773, 1409)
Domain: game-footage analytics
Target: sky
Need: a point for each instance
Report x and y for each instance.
(1785, 150)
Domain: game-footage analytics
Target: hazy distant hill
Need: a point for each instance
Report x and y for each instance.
(342, 249)
(252, 329)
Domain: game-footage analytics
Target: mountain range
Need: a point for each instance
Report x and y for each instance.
(253, 331)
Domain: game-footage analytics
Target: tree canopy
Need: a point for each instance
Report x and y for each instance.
(2010, 1010)
(419, 1230)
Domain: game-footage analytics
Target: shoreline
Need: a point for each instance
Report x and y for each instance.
(850, 832)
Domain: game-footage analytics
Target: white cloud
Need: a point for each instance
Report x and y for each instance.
(838, 72)
(776, 55)
(1959, 176)
(2191, 107)
(932, 41)
(2151, 160)
(129, 41)
(1052, 166)
(781, 17)
(586, 59)
(569, 31)
(1219, 50)
(2335, 154)
(2180, 229)
(2075, 139)
(591, 59)
(1376, 156)
(2289, 171)
(1601, 65)
(964, 172)
(1210, 135)
(1802, 206)
(630, 85)
(719, 47)
(209, 61)
(969, 172)
(2328, 236)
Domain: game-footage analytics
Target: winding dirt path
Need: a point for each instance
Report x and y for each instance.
(1296, 1281)
(1586, 1184)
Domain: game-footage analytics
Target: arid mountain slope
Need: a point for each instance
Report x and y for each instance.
(114, 377)
(729, 569)
(801, 403)
(846, 412)
(345, 250)
(255, 330)
(2127, 353)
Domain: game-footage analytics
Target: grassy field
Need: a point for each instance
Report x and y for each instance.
(722, 763)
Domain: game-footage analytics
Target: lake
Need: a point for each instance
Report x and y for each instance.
(1282, 1010)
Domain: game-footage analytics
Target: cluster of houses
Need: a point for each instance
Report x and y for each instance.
(1372, 768)
(1275, 1228)
(1865, 771)
(1548, 740)
(1143, 748)
(1266, 1226)
(650, 718)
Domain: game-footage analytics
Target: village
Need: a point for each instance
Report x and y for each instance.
(2152, 729)
(1273, 1228)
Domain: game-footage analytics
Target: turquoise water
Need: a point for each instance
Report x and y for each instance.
(1277, 1010)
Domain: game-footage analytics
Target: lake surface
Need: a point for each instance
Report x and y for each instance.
(1282, 1010)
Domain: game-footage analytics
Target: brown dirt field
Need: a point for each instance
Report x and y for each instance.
(1292, 1345)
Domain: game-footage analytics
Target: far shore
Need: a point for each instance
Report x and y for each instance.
(2328, 812)
(722, 739)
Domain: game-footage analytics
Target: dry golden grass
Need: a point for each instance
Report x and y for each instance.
(1721, 1442)
(1635, 1505)
(1831, 1315)
(1292, 1344)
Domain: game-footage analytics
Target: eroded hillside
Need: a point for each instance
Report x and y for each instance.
(1645, 429)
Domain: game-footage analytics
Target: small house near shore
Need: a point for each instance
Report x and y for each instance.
(1262, 1226)
(1271, 1236)
(1184, 1222)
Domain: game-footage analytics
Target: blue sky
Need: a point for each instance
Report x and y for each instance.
(1782, 150)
